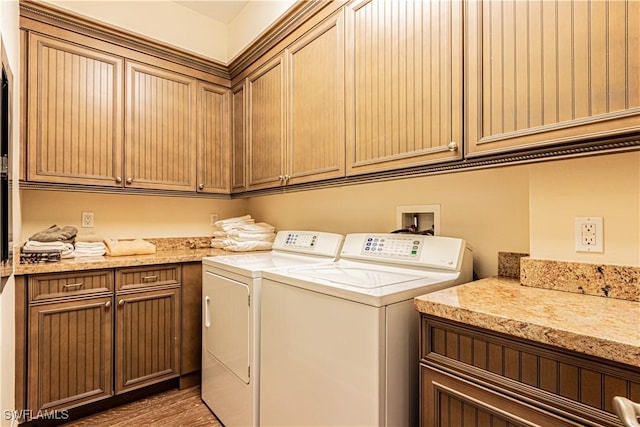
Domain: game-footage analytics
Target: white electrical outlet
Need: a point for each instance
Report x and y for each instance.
(589, 234)
(87, 219)
(212, 219)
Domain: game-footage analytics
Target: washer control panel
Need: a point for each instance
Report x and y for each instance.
(416, 250)
(301, 239)
(395, 246)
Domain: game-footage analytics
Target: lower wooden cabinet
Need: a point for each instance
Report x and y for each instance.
(70, 353)
(147, 338)
(471, 376)
(94, 334)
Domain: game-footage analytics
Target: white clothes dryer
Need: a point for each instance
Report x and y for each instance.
(339, 341)
(231, 319)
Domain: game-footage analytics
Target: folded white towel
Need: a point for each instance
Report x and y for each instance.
(221, 234)
(234, 225)
(260, 227)
(242, 236)
(232, 220)
(249, 246)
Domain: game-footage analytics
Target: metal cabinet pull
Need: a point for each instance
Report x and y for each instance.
(118, 179)
(201, 186)
(129, 181)
(107, 304)
(627, 410)
(147, 279)
(452, 146)
(207, 314)
(72, 286)
(121, 302)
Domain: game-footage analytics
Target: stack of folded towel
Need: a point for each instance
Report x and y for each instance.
(87, 249)
(50, 244)
(242, 234)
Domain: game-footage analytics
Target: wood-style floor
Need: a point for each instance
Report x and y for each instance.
(172, 408)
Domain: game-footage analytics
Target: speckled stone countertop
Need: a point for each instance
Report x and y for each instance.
(89, 263)
(603, 327)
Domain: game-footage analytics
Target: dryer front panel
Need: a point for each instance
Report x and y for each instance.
(227, 321)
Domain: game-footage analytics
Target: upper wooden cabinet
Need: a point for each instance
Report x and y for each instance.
(266, 133)
(213, 138)
(549, 72)
(296, 111)
(403, 83)
(160, 144)
(75, 113)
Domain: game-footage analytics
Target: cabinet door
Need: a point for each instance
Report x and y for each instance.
(70, 348)
(315, 119)
(147, 338)
(547, 72)
(266, 135)
(403, 83)
(450, 401)
(191, 325)
(75, 113)
(213, 138)
(160, 144)
(238, 142)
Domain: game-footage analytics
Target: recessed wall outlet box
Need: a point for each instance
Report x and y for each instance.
(212, 219)
(87, 219)
(419, 218)
(589, 234)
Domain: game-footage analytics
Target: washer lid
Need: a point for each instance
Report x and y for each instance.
(358, 276)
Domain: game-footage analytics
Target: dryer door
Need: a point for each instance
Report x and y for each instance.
(227, 323)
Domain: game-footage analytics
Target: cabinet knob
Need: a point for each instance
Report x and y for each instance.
(121, 302)
(129, 181)
(452, 146)
(281, 177)
(201, 186)
(286, 177)
(107, 304)
(118, 179)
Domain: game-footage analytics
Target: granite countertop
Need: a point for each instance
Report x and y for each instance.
(167, 256)
(608, 328)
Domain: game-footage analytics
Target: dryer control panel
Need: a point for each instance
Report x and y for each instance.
(308, 242)
(406, 249)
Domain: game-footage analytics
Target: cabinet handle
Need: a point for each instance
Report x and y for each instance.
(118, 179)
(452, 146)
(147, 279)
(207, 315)
(627, 410)
(107, 304)
(286, 178)
(201, 186)
(129, 181)
(281, 177)
(72, 286)
(121, 302)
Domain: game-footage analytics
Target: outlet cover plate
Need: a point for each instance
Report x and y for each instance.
(87, 219)
(589, 234)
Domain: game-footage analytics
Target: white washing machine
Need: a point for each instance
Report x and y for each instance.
(339, 341)
(231, 319)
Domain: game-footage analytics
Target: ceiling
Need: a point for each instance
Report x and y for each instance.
(220, 10)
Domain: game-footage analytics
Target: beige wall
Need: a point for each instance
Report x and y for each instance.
(488, 208)
(123, 216)
(606, 186)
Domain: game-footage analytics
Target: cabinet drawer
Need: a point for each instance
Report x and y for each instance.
(147, 277)
(61, 285)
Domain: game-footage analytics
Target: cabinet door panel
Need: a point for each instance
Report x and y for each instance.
(161, 134)
(404, 83)
(316, 118)
(266, 125)
(239, 158)
(147, 338)
(75, 113)
(70, 347)
(548, 72)
(213, 138)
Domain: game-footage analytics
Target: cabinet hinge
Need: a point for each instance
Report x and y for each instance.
(248, 371)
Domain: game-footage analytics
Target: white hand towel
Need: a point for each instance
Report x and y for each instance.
(232, 220)
(260, 227)
(254, 237)
(249, 246)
